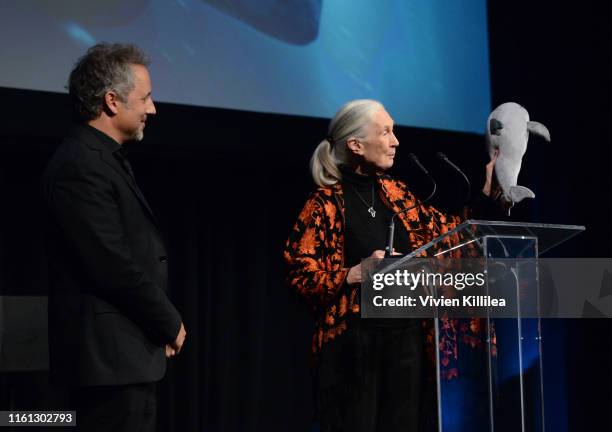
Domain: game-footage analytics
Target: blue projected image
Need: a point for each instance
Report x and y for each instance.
(427, 61)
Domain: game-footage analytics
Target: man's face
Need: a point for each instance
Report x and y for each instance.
(132, 114)
(378, 146)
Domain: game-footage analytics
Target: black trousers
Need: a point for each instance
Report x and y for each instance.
(390, 389)
(116, 408)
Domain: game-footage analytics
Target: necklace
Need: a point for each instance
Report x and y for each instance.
(369, 206)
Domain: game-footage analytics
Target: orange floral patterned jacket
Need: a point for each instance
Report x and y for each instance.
(314, 252)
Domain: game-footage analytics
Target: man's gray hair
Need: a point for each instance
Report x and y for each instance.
(105, 67)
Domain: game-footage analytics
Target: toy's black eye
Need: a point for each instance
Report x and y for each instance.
(495, 127)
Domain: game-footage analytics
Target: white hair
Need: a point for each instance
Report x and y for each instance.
(349, 122)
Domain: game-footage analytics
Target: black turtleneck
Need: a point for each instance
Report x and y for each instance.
(363, 233)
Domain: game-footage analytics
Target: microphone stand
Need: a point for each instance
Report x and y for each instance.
(391, 230)
(443, 157)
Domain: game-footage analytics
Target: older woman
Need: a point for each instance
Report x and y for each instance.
(369, 374)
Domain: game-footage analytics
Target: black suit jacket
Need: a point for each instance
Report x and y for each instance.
(109, 316)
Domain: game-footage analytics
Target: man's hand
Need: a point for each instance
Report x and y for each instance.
(170, 352)
(178, 343)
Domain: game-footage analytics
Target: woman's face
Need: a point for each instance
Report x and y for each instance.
(378, 147)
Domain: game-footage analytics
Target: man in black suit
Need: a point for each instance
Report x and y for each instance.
(111, 325)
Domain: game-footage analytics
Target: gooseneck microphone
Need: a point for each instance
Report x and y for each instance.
(443, 157)
(391, 231)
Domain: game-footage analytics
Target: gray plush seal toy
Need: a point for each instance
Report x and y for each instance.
(508, 129)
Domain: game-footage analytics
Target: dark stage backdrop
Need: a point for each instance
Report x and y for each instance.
(228, 185)
(555, 59)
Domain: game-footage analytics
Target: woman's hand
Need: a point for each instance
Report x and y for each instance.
(491, 187)
(354, 275)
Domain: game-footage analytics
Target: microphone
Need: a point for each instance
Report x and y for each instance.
(391, 231)
(443, 157)
(418, 163)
